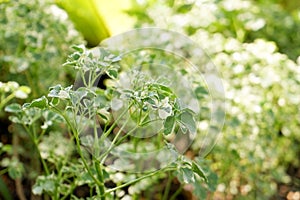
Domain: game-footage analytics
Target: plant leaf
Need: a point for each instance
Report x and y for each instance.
(184, 8)
(169, 125)
(186, 118)
(198, 170)
(200, 92)
(44, 183)
(186, 175)
(199, 191)
(112, 73)
(13, 108)
(41, 103)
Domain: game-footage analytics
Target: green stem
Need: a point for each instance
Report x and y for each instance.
(84, 160)
(103, 157)
(168, 187)
(140, 178)
(3, 171)
(82, 75)
(97, 76)
(75, 134)
(35, 142)
(115, 123)
(90, 79)
(101, 178)
(148, 122)
(96, 139)
(41, 135)
(176, 193)
(6, 100)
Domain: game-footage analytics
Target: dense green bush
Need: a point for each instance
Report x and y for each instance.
(243, 20)
(260, 138)
(254, 46)
(35, 38)
(110, 150)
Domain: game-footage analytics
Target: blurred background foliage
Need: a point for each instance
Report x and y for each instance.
(35, 38)
(254, 44)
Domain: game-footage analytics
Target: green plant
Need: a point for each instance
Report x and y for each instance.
(261, 79)
(243, 20)
(97, 140)
(35, 37)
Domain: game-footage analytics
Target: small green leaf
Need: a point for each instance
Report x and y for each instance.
(169, 125)
(151, 101)
(15, 119)
(44, 184)
(163, 91)
(199, 191)
(54, 101)
(200, 92)
(79, 48)
(184, 8)
(165, 111)
(37, 190)
(78, 95)
(52, 116)
(13, 108)
(186, 175)
(15, 167)
(54, 91)
(75, 56)
(112, 73)
(212, 181)
(100, 101)
(41, 103)
(186, 118)
(15, 172)
(104, 115)
(198, 170)
(59, 92)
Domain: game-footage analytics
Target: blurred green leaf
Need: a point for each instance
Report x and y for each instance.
(41, 103)
(186, 175)
(186, 118)
(13, 108)
(44, 184)
(185, 8)
(199, 191)
(169, 125)
(197, 169)
(112, 73)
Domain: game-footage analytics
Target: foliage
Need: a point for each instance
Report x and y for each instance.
(89, 134)
(34, 41)
(83, 110)
(261, 86)
(243, 20)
